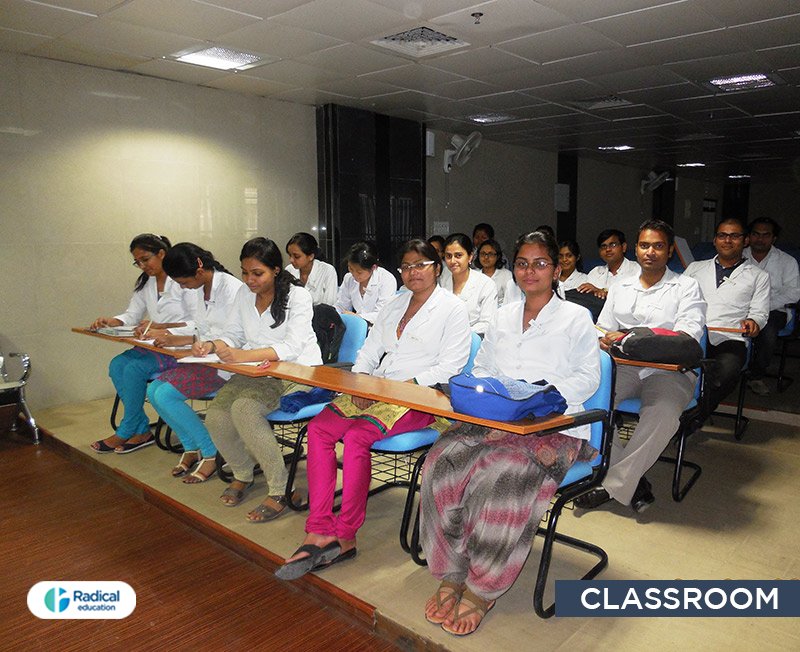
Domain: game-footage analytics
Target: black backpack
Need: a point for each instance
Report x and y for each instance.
(329, 329)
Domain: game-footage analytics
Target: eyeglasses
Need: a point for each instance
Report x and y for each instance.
(488, 254)
(141, 262)
(655, 246)
(610, 245)
(539, 265)
(403, 269)
(728, 236)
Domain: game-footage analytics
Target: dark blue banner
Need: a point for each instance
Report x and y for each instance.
(678, 598)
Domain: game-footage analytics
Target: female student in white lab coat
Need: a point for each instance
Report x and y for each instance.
(270, 321)
(490, 261)
(166, 305)
(422, 336)
(196, 269)
(476, 290)
(366, 287)
(316, 276)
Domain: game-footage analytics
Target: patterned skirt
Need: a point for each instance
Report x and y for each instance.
(194, 380)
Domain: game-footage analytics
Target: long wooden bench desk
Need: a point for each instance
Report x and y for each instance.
(417, 397)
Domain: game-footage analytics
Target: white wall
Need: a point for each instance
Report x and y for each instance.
(511, 188)
(88, 159)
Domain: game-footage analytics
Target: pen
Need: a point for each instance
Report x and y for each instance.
(147, 328)
(602, 330)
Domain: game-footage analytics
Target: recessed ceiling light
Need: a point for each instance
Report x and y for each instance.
(221, 58)
(742, 82)
(691, 165)
(615, 148)
(491, 118)
(738, 176)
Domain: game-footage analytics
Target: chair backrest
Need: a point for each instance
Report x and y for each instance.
(474, 345)
(791, 323)
(601, 400)
(703, 345)
(354, 336)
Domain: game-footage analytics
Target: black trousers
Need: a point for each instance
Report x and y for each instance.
(764, 345)
(729, 357)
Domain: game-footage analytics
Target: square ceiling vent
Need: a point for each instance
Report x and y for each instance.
(420, 42)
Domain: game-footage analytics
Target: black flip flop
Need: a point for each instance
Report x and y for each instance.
(102, 447)
(342, 556)
(129, 448)
(316, 557)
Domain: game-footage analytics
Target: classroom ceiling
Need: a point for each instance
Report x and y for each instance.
(569, 75)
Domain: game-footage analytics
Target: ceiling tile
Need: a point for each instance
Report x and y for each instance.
(416, 76)
(701, 70)
(508, 101)
(662, 22)
(481, 63)
(350, 59)
(39, 18)
(531, 76)
(198, 20)
(106, 34)
(570, 91)
(350, 20)
(13, 41)
(769, 33)
(260, 8)
(501, 21)
(96, 7)
(268, 37)
(655, 96)
(643, 78)
(309, 96)
(696, 46)
(782, 57)
(561, 43)
(581, 10)
(465, 88)
(65, 50)
(420, 10)
(357, 87)
(739, 12)
(292, 72)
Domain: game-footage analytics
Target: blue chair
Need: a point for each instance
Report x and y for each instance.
(693, 416)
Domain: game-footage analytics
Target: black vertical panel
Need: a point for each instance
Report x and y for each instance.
(374, 180)
(736, 199)
(664, 202)
(567, 221)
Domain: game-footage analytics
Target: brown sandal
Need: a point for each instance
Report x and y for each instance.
(479, 606)
(448, 593)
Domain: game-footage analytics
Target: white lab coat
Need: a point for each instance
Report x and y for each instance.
(784, 278)
(480, 296)
(381, 287)
(174, 306)
(602, 278)
(323, 282)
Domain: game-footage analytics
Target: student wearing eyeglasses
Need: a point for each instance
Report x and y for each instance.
(157, 303)
(492, 264)
(476, 290)
(483, 491)
(612, 247)
(421, 336)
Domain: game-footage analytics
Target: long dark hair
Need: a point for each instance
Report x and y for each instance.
(499, 262)
(153, 244)
(181, 260)
(364, 254)
(544, 239)
(575, 250)
(267, 252)
(307, 243)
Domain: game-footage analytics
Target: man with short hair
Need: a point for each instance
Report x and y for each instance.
(656, 298)
(612, 247)
(737, 295)
(785, 289)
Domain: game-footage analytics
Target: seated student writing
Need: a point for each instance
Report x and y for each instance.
(366, 287)
(194, 268)
(270, 320)
(166, 305)
(484, 491)
(421, 336)
(316, 276)
(476, 290)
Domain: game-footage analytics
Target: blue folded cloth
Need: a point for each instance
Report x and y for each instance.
(296, 400)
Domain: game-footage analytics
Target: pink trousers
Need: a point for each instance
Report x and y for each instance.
(358, 435)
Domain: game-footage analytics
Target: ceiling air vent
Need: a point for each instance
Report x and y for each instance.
(420, 42)
(608, 102)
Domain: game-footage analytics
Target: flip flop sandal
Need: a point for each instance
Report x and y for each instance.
(195, 477)
(448, 593)
(264, 513)
(295, 569)
(343, 556)
(481, 607)
(183, 467)
(101, 447)
(236, 494)
(130, 448)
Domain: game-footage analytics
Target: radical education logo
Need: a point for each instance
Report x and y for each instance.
(81, 600)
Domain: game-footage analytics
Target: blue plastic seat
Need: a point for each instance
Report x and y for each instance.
(787, 335)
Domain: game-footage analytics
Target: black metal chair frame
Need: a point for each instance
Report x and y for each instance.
(18, 393)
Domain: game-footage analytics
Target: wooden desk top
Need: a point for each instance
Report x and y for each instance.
(417, 397)
(652, 365)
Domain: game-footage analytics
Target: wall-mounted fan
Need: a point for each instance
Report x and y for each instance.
(653, 180)
(463, 146)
